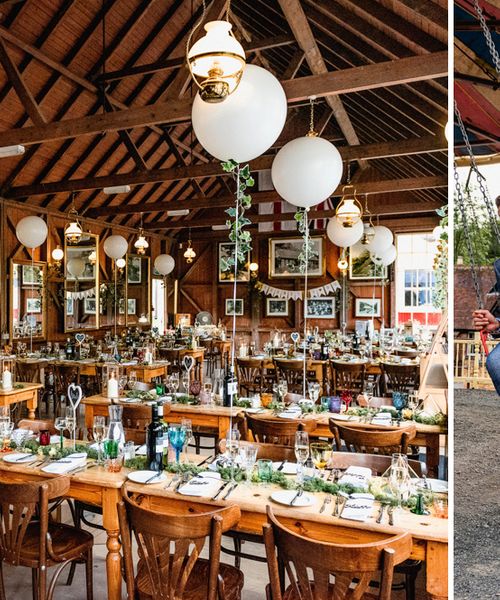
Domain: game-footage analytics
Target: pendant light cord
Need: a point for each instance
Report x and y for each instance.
(306, 244)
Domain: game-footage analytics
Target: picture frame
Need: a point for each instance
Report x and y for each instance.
(89, 306)
(131, 306)
(276, 307)
(134, 269)
(361, 267)
(70, 307)
(83, 253)
(321, 308)
(368, 307)
(235, 307)
(226, 275)
(33, 305)
(284, 258)
(32, 275)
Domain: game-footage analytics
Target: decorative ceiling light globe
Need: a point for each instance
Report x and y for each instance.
(141, 244)
(368, 234)
(448, 131)
(348, 212)
(57, 254)
(75, 267)
(31, 231)
(344, 236)
(382, 239)
(92, 257)
(164, 264)
(73, 232)
(306, 171)
(386, 258)
(216, 62)
(120, 263)
(343, 263)
(115, 246)
(247, 123)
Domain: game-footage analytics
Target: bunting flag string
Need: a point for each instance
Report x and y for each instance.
(324, 290)
(90, 293)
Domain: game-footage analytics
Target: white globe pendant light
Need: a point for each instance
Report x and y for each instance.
(31, 231)
(115, 246)
(247, 122)
(382, 239)
(306, 171)
(344, 236)
(386, 258)
(164, 264)
(75, 267)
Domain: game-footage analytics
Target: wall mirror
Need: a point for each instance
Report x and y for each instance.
(137, 304)
(112, 291)
(81, 284)
(28, 311)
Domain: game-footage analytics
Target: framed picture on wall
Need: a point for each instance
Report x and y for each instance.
(234, 307)
(70, 307)
(131, 306)
(367, 307)
(276, 307)
(32, 275)
(320, 308)
(89, 306)
(33, 305)
(226, 272)
(361, 265)
(284, 257)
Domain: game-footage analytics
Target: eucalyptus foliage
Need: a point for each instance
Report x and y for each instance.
(308, 252)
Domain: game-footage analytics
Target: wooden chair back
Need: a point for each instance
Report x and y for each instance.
(347, 377)
(353, 565)
(292, 371)
(250, 372)
(27, 372)
(378, 463)
(406, 353)
(19, 503)
(136, 418)
(277, 431)
(400, 378)
(170, 544)
(370, 439)
(37, 425)
(274, 452)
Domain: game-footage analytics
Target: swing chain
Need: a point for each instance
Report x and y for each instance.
(487, 35)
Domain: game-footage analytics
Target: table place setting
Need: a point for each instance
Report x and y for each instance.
(205, 484)
(67, 464)
(146, 477)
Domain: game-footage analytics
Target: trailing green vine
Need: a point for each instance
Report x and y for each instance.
(237, 221)
(440, 290)
(308, 252)
(52, 451)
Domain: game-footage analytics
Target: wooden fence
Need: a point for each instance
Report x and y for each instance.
(469, 363)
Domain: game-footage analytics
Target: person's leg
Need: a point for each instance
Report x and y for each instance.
(493, 367)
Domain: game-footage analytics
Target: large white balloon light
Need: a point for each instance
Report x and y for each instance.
(247, 122)
(31, 231)
(386, 258)
(164, 264)
(344, 236)
(306, 171)
(115, 246)
(382, 239)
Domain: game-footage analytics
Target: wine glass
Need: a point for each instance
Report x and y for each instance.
(301, 453)
(188, 428)
(399, 402)
(282, 389)
(207, 386)
(185, 383)
(399, 477)
(173, 383)
(132, 380)
(248, 456)
(177, 437)
(99, 432)
(60, 425)
(321, 453)
(232, 447)
(369, 390)
(71, 423)
(122, 382)
(313, 388)
(6, 431)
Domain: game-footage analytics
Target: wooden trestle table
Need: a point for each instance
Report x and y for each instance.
(27, 393)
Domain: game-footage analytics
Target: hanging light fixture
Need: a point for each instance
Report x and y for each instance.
(189, 254)
(141, 244)
(217, 60)
(349, 211)
(73, 230)
(368, 228)
(92, 257)
(343, 263)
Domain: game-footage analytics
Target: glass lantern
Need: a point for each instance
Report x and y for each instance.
(114, 380)
(7, 377)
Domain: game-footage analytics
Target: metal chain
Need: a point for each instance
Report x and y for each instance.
(487, 34)
(468, 240)
(486, 197)
(311, 132)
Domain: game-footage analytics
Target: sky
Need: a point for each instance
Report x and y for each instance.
(492, 175)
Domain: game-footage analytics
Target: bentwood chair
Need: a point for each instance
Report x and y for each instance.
(277, 431)
(250, 372)
(347, 377)
(378, 463)
(399, 378)
(63, 376)
(292, 371)
(354, 566)
(169, 548)
(29, 538)
(370, 439)
(25, 373)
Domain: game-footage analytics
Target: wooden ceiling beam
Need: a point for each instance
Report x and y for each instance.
(388, 73)
(429, 10)
(348, 153)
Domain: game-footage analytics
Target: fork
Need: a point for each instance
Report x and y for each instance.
(381, 513)
(390, 512)
(174, 479)
(299, 493)
(326, 501)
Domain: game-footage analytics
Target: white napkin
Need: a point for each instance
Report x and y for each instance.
(383, 418)
(66, 464)
(358, 507)
(141, 451)
(204, 484)
(357, 476)
(55, 439)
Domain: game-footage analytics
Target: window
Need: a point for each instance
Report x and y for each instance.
(158, 298)
(415, 279)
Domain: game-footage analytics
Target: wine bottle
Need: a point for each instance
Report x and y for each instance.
(154, 442)
(230, 387)
(164, 436)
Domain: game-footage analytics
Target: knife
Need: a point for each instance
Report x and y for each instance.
(232, 488)
(209, 458)
(280, 468)
(390, 511)
(153, 477)
(222, 487)
(381, 513)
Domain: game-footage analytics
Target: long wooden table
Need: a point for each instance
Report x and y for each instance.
(27, 393)
(98, 487)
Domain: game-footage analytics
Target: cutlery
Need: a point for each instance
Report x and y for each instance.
(231, 489)
(381, 513)
(326, 501)
(299, 493)
(21, 458)
(335, 506)
(222, 487)
(207, 460)
(185, 478)
(280, 468)
(77, 469)
(174, 479)
(390, 512)
(343, 497)
(153, 477)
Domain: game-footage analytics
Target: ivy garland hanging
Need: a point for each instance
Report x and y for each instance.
(308, 252)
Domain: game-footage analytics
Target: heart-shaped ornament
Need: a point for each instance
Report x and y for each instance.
(80, 338)
(75, 395)
(188, 363)
(295, 335)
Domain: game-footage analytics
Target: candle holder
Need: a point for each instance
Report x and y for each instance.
(7, 373)
(114, 380)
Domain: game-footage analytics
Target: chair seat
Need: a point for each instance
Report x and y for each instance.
(68, 543)
(290, 594)
(196, 588)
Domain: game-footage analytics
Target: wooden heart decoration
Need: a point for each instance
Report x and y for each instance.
(295, 335)
(75, 395)
(188, 363)
(80, 338)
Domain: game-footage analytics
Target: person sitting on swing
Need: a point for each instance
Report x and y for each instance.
(489, 321)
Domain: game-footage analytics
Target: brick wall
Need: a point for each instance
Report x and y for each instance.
(465, 296)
